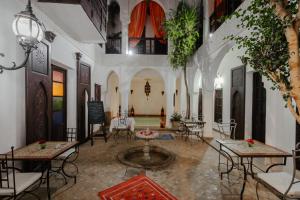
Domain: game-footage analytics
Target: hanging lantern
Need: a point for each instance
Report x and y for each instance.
(147, 89)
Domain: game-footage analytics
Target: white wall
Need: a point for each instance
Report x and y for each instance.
(113, 96)
(215, 55)
(12, 83)
(139, 101)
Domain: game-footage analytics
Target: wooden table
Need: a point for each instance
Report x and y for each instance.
(241, 149)
(33, 152)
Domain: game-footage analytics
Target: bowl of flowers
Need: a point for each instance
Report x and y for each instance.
(42, 143)
(250, 142)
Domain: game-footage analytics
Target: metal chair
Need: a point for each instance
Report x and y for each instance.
(282, 184)
(122, 126)
(227, 128)
(197, 129)
(67, 159)
(13, 182)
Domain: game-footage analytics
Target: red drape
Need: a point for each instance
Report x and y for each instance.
(137, 23)
(157, 15)
(219, 8)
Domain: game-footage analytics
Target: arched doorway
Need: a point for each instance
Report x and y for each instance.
(114, 29)
(113, 97)
(145, 31)
(149, 109)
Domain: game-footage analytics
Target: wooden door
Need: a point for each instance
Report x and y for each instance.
(258, 109)
(200, 116)
(238, 100)
(59, 103)
(97, 92)
(38, 94)
(83, 95)
(218, 114)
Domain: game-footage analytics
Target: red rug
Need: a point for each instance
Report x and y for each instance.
(137, 188)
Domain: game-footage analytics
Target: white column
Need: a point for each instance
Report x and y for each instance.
(125, 19)
(206, 30)
(208, 103)
(170, 88)
(124, 92)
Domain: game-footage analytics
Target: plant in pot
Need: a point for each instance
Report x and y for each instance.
(175, 119)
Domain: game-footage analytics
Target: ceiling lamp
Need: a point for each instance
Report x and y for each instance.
(147, 89)
(29, 32)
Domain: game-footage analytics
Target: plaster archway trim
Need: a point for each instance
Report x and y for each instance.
(139, 1)
(107, 76)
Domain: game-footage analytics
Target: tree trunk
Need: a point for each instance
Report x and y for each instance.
(293, 44)
(188, 106)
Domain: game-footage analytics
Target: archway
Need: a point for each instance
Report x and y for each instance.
(113, 96)
(149, 109)
(197, 96)
(114, 29)
(145, 31)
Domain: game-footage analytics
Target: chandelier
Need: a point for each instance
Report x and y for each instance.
(147, 89)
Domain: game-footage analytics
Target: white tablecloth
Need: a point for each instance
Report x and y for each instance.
(114, 123)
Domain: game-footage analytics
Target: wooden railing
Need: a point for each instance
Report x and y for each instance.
(226, 8)
(113, 45)
(97, 12)
(152, 46)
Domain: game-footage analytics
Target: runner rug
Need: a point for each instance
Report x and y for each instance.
(137, 188)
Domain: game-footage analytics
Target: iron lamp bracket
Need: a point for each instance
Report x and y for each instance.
(14, 65)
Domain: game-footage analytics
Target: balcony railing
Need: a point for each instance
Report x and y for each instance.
(225, 8)
(152, 46)
(114, 45)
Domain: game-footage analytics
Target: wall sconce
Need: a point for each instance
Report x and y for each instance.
(218, 82)
(29, 32)
(147, 89)
(131, 91)
(116, 89)
(162, 93)
(176, 92)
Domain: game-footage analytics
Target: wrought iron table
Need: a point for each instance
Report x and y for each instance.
(241, 149)
(33, 152)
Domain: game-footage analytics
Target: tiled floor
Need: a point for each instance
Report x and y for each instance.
(193, 176)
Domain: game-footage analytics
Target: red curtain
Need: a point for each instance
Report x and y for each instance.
(219, 8)
(157, 15)
(137, 23)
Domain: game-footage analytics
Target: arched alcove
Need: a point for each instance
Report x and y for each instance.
(113, 96)
(147, 105)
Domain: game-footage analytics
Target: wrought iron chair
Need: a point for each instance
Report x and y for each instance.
(67, 166)
(13, 182)
(196, 129)
(122, 126)
(281, 184)
(227, 129)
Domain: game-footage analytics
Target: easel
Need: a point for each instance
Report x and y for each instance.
(96, 115)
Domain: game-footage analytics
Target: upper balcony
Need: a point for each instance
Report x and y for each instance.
(222, 8)
(145, 30)
(84, 20)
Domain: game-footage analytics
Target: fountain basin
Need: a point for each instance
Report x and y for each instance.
(134, 157)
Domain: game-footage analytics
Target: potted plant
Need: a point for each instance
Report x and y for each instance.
(175, 119)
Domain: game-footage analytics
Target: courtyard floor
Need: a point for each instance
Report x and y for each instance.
(192, 176)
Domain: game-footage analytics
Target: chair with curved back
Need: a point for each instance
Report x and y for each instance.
(13, 182)
(282, 184)
(67, 166)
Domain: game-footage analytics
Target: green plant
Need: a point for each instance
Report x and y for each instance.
(272, 45)
(181, 29)
(175, 117)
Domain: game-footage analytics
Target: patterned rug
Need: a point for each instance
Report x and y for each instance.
(137, 188)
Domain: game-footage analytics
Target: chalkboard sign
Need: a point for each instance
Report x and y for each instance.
(96, 112)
